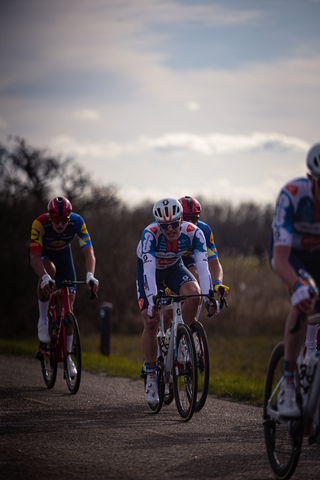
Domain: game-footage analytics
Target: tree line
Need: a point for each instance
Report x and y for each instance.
(30, 177)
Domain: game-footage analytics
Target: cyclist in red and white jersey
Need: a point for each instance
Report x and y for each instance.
(295, 257)
(51, 257)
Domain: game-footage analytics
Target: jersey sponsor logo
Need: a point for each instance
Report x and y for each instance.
(293, 189)
(84, 230)
(146, 244)
(154, 230)
(310, 241)
(190, 228)
(141, 302)
(35, 234)
(163, 262)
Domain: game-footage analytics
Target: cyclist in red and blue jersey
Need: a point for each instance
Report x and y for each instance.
(191, 213)
(51, 257)
(160, 251)
(295, 257)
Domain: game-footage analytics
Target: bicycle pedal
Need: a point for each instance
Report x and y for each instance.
(38, 356)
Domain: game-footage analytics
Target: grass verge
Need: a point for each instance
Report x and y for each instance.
(237, 365)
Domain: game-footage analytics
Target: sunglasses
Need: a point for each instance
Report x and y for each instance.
(173, 225)
(191, 218)
(57, 220)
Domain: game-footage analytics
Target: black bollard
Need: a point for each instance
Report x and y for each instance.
(105, 315)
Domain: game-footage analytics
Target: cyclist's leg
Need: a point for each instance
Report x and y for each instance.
(149, 341)
(191, 305)
(181, 281)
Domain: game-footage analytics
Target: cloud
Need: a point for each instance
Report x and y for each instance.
(87, 115)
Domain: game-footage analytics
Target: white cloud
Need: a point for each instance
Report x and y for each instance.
(88, 114)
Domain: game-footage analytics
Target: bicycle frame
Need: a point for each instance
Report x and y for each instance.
(53, 312)
(171, 353)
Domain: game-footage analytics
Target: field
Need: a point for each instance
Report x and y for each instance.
(241, 337)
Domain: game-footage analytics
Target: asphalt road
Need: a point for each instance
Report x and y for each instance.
(106, 431)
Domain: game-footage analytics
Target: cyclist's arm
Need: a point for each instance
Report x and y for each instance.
(215, 269)
(90, 261)
(282, 267)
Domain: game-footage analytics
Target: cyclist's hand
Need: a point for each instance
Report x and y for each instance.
(90, 278)
(219, 288)
(212, 307)
(303, 297)
(46, 284)
(151, 310)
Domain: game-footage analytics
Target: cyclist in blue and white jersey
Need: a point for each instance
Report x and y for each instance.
(295, 258)
(191, 213)
(160, 251)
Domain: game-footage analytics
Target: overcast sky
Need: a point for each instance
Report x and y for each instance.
(217, 99)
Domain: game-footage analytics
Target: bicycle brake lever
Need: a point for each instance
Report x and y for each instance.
(93, 295)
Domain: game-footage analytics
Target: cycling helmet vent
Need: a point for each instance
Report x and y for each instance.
(190, 206)
(167, 210)
(60, 207)
(313, 160)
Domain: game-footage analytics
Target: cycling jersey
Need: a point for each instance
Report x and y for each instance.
(43, 236)
(211, 248)
(158, 253)
(297, 218)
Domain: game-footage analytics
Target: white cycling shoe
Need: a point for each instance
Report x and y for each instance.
(286, 402)
(151, 394)
(72, 369)
(43, 333)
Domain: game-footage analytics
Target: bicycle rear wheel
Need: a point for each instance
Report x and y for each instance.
(185, 373)
(72, 373)
(283, 442)
(49, 364)
(203, 363)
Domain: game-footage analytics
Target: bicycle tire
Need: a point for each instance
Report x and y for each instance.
(168, 397)
(156, 407)
(185, 373)
(73, 382)
(283, 446)
(49, 365)
(203, 364)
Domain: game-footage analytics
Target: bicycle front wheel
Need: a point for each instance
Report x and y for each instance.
(185, 373)
(72, 354)
(283, 442)
(203, 363)
(49, 365)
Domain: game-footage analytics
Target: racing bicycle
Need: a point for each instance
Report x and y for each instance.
(284, 436)
(62, 324)
(176, 366)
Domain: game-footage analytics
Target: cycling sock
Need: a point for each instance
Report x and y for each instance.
(69, 342)
(288, 372)
(151, 370)
(43, 308)
(199, 311)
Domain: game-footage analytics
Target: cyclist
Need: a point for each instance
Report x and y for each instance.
(191, 213)
(295, 257)
(51, 257)
(159, 261)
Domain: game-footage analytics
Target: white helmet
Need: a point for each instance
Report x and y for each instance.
(313, 160)
(167, 210)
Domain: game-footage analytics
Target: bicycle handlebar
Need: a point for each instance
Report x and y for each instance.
(177, 298)
(69, 283)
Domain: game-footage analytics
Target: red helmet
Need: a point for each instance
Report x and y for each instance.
(59, 207)
(190, 206)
